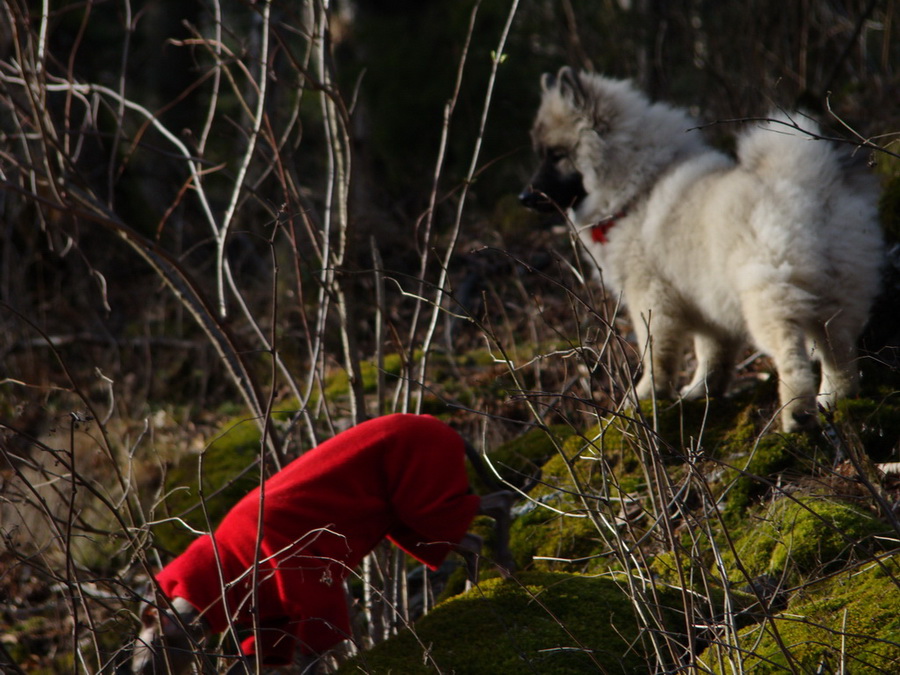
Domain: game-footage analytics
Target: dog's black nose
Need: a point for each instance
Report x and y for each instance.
(537, 201)
(532, 199)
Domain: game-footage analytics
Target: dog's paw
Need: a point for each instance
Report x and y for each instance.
(645, 389)
(695, 391)
(798, 419)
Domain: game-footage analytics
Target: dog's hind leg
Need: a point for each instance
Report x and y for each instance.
(784, 340)
(835, 343)
(796, 382)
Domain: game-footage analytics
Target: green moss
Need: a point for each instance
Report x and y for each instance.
(337, 384)
(665, 567)
(585, 480)
(754, 467)
(550, 541)
(802, 536)
(685, 424)
(392, 366)
(714, 427)
(477, 357)
(228, 473)
(554, 624)
(818, 534)
(520, 459)
(848, 623)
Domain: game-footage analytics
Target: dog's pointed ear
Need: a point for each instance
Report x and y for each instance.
(548, 81)
(570, 86)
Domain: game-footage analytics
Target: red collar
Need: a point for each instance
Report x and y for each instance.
(599, 230)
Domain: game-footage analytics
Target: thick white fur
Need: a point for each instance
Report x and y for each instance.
(780, 248)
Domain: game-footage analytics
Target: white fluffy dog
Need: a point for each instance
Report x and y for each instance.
(780, 248)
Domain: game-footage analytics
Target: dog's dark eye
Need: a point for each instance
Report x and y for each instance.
(556, 154)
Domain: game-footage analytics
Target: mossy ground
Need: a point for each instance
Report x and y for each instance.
(782, 509)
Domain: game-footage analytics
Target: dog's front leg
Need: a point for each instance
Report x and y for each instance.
(715, 362)
(661, 341)
(498, 506)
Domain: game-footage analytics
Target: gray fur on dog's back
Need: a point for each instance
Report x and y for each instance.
(780, 247)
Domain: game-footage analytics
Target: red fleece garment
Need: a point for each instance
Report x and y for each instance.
(399, 476)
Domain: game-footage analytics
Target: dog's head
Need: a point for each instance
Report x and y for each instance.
(166, 643)
(600, 142)
(557, 184)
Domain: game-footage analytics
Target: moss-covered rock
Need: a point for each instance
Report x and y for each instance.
(600, 478)
(753, 465)
(848, 623)
(552, 621)
(561, 524)
(547, 539)
(796, 536)
(553, 624)
(520, 459)
(713, 427)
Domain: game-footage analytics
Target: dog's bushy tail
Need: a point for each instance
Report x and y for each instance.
(788, 153)
(786, 149)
